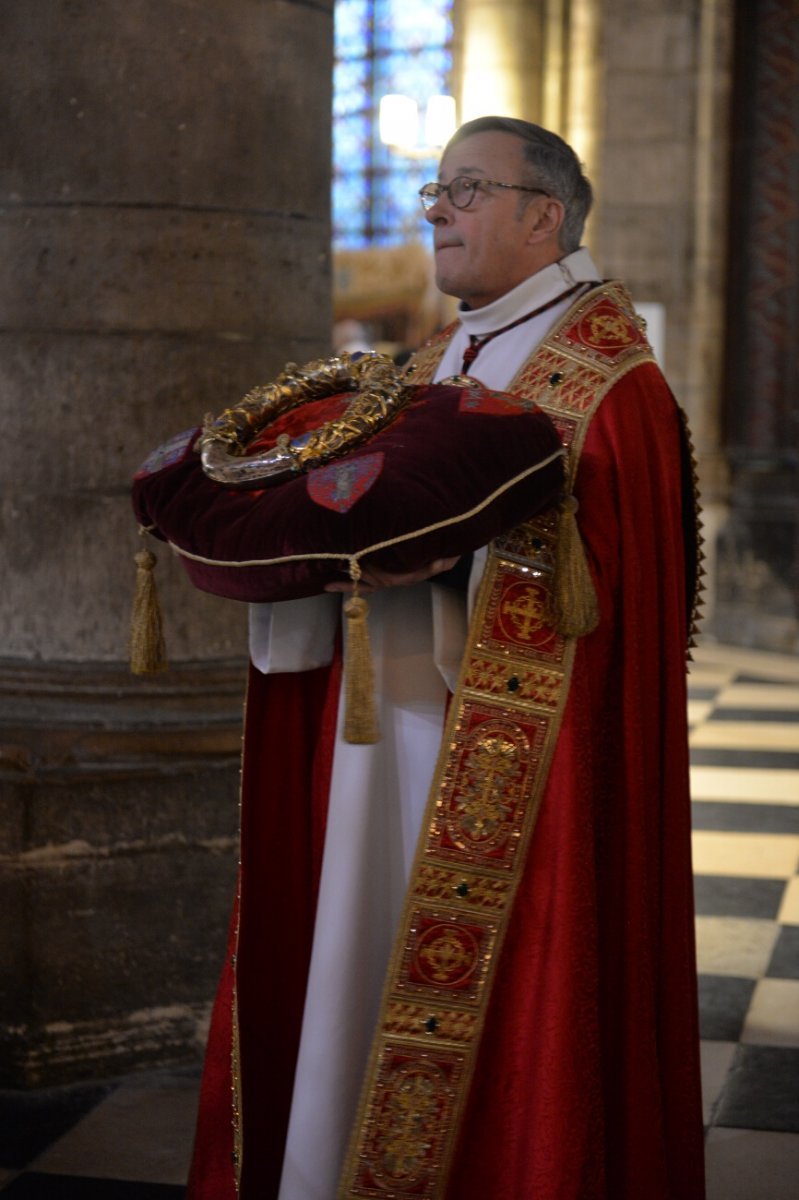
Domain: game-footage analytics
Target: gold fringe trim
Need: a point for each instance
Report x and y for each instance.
(573, 609)
(698, 601)
(147, 649)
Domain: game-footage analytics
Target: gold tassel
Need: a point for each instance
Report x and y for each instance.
(573, 608)
(360, 718)
(147, 649)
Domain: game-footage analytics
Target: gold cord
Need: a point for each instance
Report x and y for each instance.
(458, 519)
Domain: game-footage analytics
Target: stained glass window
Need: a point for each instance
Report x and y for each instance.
(383, 46)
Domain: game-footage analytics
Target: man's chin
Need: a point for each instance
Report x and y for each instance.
(447, 284)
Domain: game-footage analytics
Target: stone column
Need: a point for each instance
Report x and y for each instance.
(533, 59)
(164, 235)
(498, 49)
(663, 202)
(758, 549)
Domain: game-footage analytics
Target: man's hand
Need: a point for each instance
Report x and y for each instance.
(373, 579)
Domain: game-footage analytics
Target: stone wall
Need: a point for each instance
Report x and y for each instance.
(662, 217)
(698, 173)
(164, 223)
(758, 562)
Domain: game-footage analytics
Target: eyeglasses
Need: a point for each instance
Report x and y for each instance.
(462, 190)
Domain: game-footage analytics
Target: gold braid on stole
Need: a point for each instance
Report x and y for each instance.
(501, 732)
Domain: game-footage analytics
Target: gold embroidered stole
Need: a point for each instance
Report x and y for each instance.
(498, 743)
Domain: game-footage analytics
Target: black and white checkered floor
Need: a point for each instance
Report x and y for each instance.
(744, 714)
(131, 1140)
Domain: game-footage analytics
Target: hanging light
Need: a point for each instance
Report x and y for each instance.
(399, 121)
(439, 120)
(399, 124)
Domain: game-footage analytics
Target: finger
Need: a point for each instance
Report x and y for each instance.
(379, 578)
(373, 578)
(443, 564)
(365, 589)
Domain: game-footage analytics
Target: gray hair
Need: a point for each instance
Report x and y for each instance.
(553, 166)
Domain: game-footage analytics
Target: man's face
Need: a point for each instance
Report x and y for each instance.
(483, 251)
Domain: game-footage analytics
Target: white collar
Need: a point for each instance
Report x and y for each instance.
(545, 285)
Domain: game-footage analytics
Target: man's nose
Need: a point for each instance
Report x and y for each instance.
(442, 210)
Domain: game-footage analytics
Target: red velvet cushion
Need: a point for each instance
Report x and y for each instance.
(447, 453)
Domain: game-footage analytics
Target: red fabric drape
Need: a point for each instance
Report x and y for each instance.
(587, 1083)
(289, 732)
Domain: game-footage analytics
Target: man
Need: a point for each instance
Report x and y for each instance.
(537, 1034)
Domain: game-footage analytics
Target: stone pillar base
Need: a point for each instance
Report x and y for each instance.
(118, 850)
(757, 593)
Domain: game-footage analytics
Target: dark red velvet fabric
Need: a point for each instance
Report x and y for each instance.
(439, 459)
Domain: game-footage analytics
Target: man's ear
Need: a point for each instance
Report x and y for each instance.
(546, 217)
